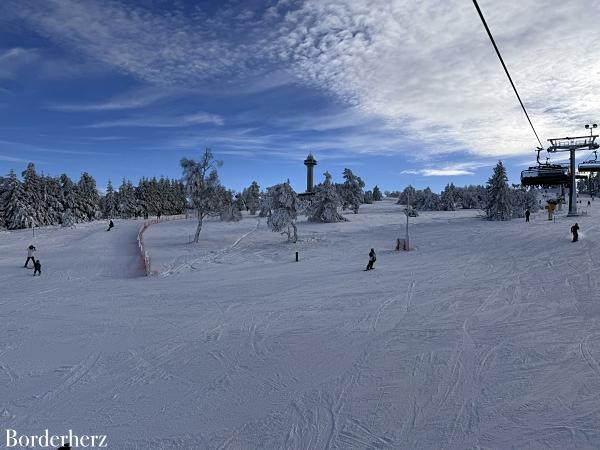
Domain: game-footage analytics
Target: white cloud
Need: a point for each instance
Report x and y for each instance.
(427, 68)
(448, 170)
(136, 99)
(14, 59)
(199, 118)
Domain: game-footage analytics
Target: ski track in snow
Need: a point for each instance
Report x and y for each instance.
(485, 337)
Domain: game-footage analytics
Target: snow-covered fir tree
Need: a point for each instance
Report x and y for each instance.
(32, 185)
(281, 202)
(87, 199)
(230, 211)
(409, 194)
(110, 202)
(52, 201)
(325, 203)
(16, 212)
(239, 202)
(252, 197)
(523, 199)
(449, 197)
(427, 200)
(127, 205)
(498, 205)
(203, 187)
(351, 191)
(377, 196)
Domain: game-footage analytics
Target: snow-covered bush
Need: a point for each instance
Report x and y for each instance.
(351, 191)
(324, 205)
(281, 202)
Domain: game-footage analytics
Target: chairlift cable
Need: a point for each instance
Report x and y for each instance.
(506, 70)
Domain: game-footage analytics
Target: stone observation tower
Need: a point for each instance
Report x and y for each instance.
(310, 162)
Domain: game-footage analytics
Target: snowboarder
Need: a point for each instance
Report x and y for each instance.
(589, 203)
(30, 250)
(527, 213)
(372, 259)
(575, 232)
(110, 225)
(37, 267)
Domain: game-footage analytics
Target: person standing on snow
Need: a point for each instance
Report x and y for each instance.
(372, 259)
(527, 213)
(30, 250)
(37, 267)
(110, 225)
(575, 232)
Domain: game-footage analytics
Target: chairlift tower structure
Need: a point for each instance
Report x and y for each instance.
(573, 145)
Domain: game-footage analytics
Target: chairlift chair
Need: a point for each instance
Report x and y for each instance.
(545, 174)
(592, 165)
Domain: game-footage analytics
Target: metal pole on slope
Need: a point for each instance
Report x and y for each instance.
(407, 241)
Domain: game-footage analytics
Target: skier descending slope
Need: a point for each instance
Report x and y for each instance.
(575, 232)
(110, 225)
(372, 259)
(30, 250)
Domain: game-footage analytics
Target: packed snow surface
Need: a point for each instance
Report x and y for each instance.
(485, 336)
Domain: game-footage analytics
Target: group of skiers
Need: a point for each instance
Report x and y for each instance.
(574, 228)
(37, 265)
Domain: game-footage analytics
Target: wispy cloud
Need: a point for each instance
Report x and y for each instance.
(14, 59)
(131, 100)
(199, 118)
(448, 170)
(425, 68)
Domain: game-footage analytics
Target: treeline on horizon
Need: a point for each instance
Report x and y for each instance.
(39, 200)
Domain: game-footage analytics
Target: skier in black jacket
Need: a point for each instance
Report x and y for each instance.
(110, 225)
(372, 259)
(575, 231)
(37, 268)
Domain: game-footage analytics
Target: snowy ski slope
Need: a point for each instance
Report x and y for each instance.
(486, 336)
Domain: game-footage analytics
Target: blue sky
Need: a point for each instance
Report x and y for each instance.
(399, 91)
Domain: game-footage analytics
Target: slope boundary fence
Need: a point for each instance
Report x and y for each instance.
(146, 258)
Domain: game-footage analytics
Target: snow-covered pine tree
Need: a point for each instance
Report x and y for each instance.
(351, 191)
(263, 204)
(449, 198)
(203, 187)
(522, 199)
(281, 201)
(229, 209)
(87, 205)
(52, 200)
(409, 192)
(67, 219)
(32, 185)
(142, 198)
(16, 211)
(110, 202)
(377, 196)
(324, 205)
(498, 205)
(428, 201)
(127, 205)
(252, 198)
